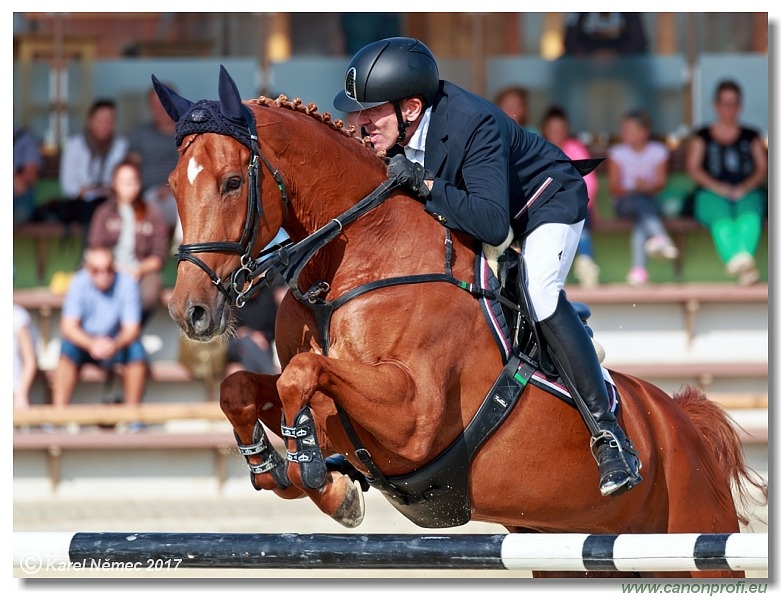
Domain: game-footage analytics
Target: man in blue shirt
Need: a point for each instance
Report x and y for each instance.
(477, 171)
(101, 324)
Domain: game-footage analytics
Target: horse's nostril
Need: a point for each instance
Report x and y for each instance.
(198, 318)
(196, 313)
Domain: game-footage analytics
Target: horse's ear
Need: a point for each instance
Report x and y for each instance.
(230, 97)
(172, 102)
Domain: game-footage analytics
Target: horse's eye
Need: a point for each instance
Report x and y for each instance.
(232, 184)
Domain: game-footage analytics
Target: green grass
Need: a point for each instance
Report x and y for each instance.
(701, 263)
(62, 255)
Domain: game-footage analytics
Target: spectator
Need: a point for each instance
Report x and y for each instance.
(604, 33)
(27, 167)
(136, 233)
(514, 101)
(25, 358)
(360, 28)
(152, 146)
(555, 128)
(88, 161)
(101, 324)
(604, 69)
(637, 173)
(728, 162)
(253, 344)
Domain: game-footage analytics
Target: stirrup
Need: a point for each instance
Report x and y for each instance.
(628, 456)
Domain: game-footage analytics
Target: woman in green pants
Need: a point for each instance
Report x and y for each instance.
(728, 162)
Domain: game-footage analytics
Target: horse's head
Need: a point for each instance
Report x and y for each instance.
(218, 188)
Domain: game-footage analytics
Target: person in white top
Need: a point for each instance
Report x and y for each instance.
(89, 159)
(637, 173)
(25, 357)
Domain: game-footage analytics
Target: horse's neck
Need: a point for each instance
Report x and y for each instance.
(325, 189)
(328, 173)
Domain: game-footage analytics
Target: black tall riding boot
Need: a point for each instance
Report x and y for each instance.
(576, 360)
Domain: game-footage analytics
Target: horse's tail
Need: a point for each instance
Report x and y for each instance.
(721, 436)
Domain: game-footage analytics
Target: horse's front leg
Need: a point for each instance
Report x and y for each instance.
(249, 401)
(382, 397)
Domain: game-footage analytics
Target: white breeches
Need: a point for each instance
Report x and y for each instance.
(548, 252)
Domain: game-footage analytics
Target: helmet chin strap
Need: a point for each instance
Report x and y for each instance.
(402, 123)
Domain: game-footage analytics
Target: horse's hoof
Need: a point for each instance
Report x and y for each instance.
(352, 509)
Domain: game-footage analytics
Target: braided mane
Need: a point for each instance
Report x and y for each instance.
(297, 105)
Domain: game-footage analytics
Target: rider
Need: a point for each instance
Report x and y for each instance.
(475, 170)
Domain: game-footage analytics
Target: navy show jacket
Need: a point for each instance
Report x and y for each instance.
(490, 173)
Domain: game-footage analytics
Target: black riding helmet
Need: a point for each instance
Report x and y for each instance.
(389, 70)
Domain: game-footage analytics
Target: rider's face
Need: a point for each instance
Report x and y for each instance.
(380, 124)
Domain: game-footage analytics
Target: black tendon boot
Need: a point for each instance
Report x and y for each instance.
(576, 360)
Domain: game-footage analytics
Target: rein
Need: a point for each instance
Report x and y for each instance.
(288, 262)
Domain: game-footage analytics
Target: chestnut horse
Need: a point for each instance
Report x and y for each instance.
(408, 364)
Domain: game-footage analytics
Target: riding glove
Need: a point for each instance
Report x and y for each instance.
(409, 175)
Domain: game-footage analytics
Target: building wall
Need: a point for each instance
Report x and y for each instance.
(304, 54)
(450, 35)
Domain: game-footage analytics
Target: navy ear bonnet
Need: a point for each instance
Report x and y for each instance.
(226, 116)
(206, 116)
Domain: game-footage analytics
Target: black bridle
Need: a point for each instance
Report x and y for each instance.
(236, 291)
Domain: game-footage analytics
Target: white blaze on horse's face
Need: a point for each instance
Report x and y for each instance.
(193, 168)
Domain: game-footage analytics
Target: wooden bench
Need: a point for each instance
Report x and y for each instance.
(41, 233)
(161, 371)
(165, 371)
(42, 301)
(674, 225)
(690, 296)
(752, 430)
(703, 375)
(100, 414)
(54, 444)
(661, 293)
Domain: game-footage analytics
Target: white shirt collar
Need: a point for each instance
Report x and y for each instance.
(415, 150)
